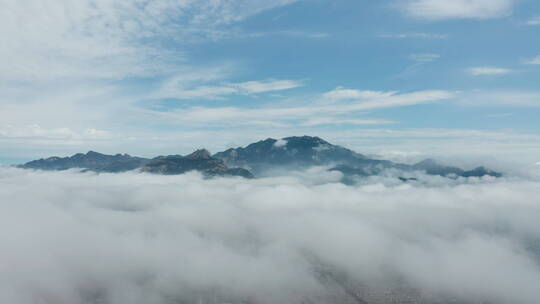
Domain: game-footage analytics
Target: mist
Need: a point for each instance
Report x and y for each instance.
(71, 237)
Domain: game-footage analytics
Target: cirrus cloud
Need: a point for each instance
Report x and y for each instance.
(456, 9)
(535, 61)
(534, 21)
(488, 71)
(105, 39)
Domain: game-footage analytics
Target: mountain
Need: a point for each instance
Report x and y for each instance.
(306, 151)
(261, 158)
(200, 160)
(295, 152)
(93, 161)
(431, 167)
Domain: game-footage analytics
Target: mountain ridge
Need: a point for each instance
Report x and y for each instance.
(255, 159)
(305, 151)
(199, 160)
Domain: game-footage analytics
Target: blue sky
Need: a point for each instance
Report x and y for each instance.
(397, 78)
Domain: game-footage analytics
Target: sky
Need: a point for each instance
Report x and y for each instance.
(397, 78)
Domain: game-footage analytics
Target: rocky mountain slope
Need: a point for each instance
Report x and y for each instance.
(200, 160)
(305, 151)
(261, 158)
(93, 161)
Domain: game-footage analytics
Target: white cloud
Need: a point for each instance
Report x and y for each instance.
(186, 88)
(534, 21)
(341, 93)
(280, 143)
(137, 238)
(202, 92)
(128, 130)
(254, 87)
(501, 98)
(488, 71)
(36, 131)
(534, 61)
(344, 121)
(131, 125)
(424, 58)
(481, 145)
(415, 35)
(403, 99)
(350, 102)
(72, 105)
(105, 39)
(304, 34)
(456, 9)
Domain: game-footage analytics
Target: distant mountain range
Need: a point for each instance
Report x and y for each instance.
(256, 159)
(306, 151)
(200, 160)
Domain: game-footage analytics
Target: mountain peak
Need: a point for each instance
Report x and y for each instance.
(309, 140)
(427, 163)
(290, 152)
(200, 154)
(93, 153)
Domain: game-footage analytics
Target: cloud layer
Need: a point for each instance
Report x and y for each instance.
(535, 60)
(105, 39)
(135, 238)
(457, 9)
(488, 71)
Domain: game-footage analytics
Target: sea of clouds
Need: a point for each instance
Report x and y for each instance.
(132, 238)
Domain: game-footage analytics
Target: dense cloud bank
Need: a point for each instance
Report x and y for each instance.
(134, 238)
